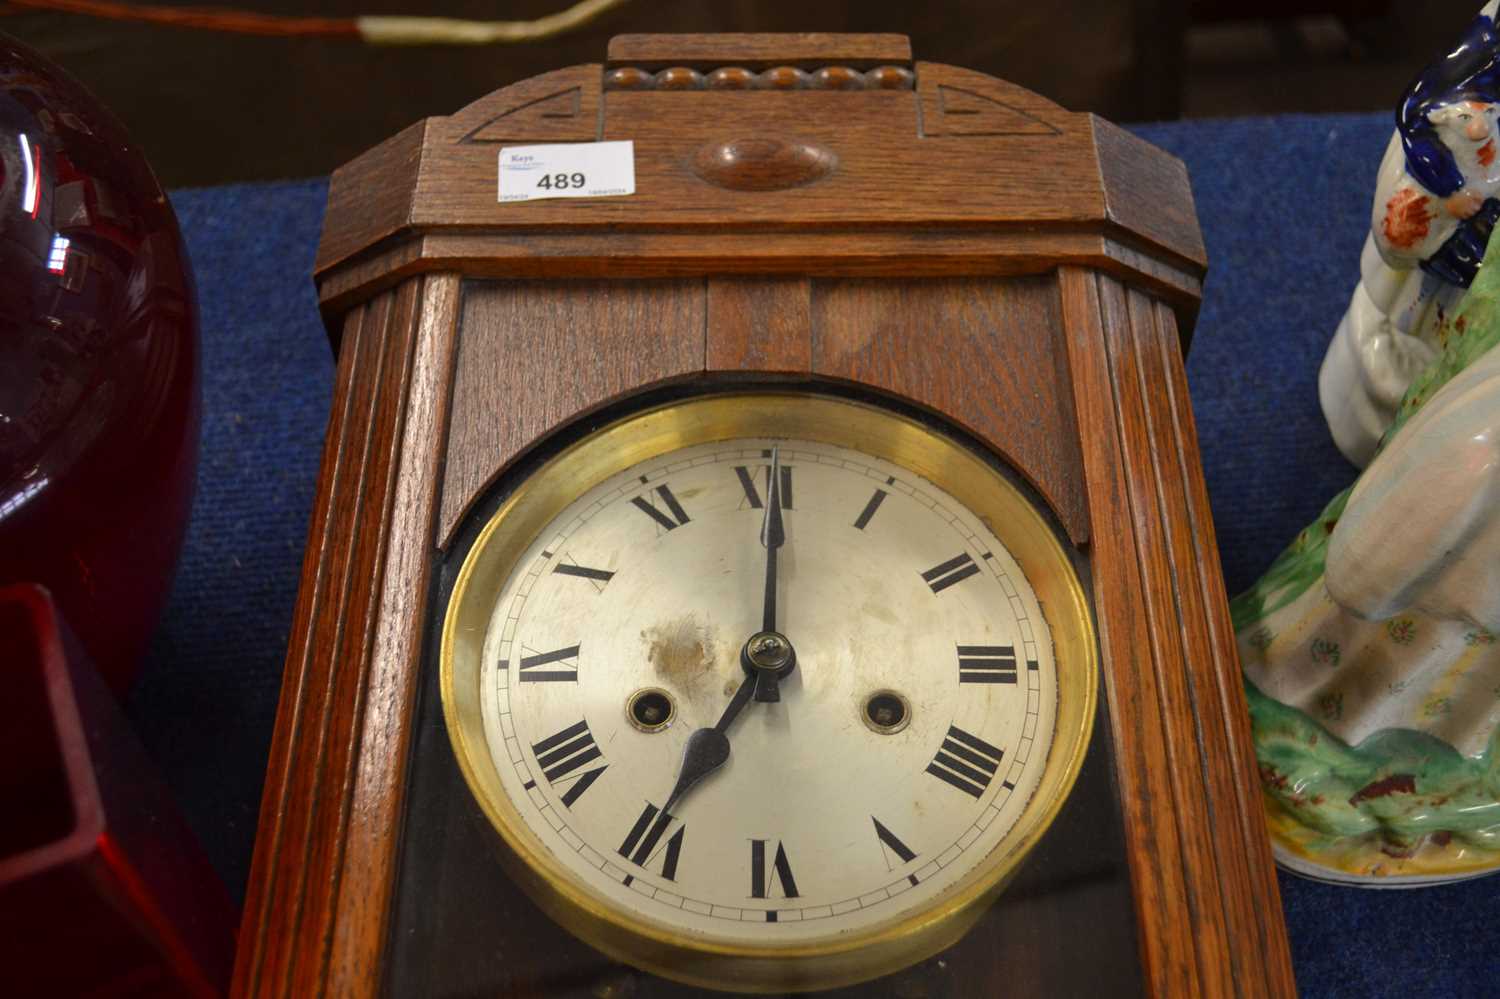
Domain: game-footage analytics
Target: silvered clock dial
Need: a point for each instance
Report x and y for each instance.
(768, 691)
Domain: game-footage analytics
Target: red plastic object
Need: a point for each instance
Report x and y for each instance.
(104, 892)
(99, 393)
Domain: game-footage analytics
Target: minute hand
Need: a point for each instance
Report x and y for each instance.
(772, 537)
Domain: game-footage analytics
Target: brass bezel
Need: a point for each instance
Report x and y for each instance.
(839, 960)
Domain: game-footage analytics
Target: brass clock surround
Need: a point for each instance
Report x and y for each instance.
(539, 497)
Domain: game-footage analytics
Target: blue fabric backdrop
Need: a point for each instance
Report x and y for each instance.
(1284, 204)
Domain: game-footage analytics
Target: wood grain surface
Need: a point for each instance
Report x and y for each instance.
(959, 104)
(553, 107)
(987, 354)
(378, 794)
(1205, 886)
(719, 250)
(376, 190)
(534, 355)
(962, 151)
(712, 51)
(324, 860)
(760, 325)
(1148, 191)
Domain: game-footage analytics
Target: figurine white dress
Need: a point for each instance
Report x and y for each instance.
(1369, 647)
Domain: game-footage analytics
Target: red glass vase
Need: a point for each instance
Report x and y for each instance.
(104, 891)
(99, 357)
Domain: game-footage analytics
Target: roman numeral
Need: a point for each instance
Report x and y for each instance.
(641, 846)
(530, 673)
(752, 494)
(966, 762)
(781, 869)
(561, 754)
(889, 844)
(986, 664)
(889, 839)
(870, 508)
(955, 570)
(596, 576)
(675, 517)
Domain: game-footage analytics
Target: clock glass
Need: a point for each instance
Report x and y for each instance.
(767, 690)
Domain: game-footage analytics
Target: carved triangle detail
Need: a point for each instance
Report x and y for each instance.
(967, 113)
(538, 117)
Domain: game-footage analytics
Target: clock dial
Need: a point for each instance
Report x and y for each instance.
(753, 679)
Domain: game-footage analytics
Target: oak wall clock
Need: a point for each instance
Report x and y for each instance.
(789, 568)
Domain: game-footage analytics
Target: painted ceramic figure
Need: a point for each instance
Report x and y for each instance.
(1370, 646)
(1435, 205)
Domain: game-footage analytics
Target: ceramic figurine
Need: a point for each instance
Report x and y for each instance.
(1435, 204)
(1370, 646)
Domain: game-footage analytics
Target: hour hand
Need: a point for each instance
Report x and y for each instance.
(708, 748)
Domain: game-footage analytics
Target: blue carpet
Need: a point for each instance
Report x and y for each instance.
(1284, 204)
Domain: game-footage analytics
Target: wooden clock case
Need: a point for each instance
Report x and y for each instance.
(810, 207)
